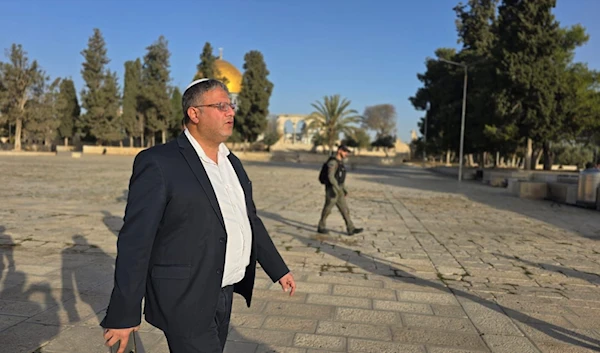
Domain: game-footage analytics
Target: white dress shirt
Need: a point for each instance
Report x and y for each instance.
(232, 202)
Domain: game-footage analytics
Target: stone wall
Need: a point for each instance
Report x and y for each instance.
(108, 150)
(27, 153)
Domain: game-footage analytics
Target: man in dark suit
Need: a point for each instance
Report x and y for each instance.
(191, 236)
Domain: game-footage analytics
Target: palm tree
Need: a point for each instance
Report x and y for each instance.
(331, 117)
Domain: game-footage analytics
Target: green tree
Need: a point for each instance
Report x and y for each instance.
(133, 118)
(318, 140)
(253, 100)
(386, 142)
(583, 103)
(331, 117)
(68, 110)
(576, 90)
(4, 122)
(476, 25)
(22, 80)
(155, 77)
(380, 118)
(176, 112)
(100, 96)
(528, 41)
(206, 68)
(441, 100)
(359, 139)
(271, 138)
(110, 128)
(43, 115)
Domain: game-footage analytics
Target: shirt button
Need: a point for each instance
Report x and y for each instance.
(218, 272)
(221, 240)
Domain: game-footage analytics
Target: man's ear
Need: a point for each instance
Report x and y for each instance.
(193, 114)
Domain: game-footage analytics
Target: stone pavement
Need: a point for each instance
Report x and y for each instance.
(440, 268)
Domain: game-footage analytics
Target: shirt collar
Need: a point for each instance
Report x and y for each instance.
(223, 150)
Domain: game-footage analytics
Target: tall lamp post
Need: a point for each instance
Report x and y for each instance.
(425, 134)
(462, 120)
(425, 140)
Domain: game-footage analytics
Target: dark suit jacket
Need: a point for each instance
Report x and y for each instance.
(171, 248)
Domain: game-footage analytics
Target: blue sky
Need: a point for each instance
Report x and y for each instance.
(366, 51)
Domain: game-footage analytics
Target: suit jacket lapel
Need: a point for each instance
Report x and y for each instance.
(190, 155)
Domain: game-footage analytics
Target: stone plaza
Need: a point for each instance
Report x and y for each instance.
(441, 267)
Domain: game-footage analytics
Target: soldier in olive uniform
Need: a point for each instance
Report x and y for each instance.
(335, 191)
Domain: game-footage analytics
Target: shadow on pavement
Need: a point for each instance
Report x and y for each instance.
(585, 222)
(351, 256)
(24, 303)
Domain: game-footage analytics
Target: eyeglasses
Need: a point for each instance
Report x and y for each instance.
(222, 106)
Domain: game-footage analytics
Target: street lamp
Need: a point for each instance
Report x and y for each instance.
(425, 140)
(462, 120)
(425, 134)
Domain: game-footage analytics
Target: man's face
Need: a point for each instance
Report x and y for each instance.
(214, 115)
(344, 154)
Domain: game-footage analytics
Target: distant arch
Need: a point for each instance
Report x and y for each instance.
(291, 128)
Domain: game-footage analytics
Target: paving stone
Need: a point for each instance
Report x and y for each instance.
(509, 344)
(354, 281)
(554, 347)
(356, 291)
(489, 318)
(438, 338)
(448, 310)
(332, 343)
(277, 349)
(239, 347)
(339, 301)
(247, 320)
(554, 334)
(19, 308)
(406, 307)
(428, 298)
(278, 295)
(284, 323)
(438, 323)
(435, 349)
(26, 337)
(308, 287)
(540, 270)
(309, 311)
(252, 335)
(7, 321)
(367, 316)
(354, 330)
(360, 345)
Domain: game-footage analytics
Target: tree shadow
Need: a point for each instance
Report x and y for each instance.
(584, 222)
(337, 250)
(590, 277)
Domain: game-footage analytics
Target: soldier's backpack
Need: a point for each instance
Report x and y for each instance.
(323, 177)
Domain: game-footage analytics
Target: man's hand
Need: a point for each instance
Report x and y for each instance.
(287, 283)
(114, 335)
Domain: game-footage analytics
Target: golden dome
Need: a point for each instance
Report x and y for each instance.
(233, 75)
